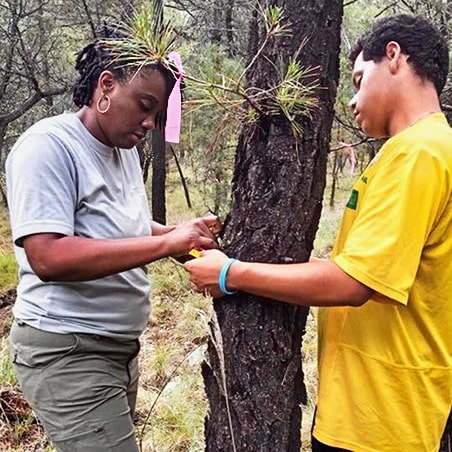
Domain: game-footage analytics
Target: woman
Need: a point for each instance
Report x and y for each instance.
(83, 235)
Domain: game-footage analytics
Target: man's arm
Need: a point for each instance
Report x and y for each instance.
(316, 283)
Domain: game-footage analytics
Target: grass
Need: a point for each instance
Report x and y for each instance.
(8, 271)
(7, 375)
(171, 398)
(171, 402)
(8, 266)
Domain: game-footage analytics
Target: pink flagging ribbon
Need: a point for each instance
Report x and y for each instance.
(349, 148)
(174, 110)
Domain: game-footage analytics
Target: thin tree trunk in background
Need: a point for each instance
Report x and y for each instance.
(158, 176)
(183, 181)
(255, 391)
(158, 154)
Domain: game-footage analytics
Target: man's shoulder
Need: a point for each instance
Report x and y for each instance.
(430, 137)
(433, 128)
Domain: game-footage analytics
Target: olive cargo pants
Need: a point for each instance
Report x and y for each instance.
(82, 387)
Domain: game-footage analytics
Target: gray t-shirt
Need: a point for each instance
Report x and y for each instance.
(61, 179)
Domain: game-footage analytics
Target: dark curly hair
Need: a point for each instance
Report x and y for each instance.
(96, 57)
(418, 38)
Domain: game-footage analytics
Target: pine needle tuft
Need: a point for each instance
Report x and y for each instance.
(145, 39)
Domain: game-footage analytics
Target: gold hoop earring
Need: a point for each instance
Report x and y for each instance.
(107, 97)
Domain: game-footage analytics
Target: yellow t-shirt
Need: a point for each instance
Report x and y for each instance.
(385, 368)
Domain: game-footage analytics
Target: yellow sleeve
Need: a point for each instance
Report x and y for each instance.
(404, 195)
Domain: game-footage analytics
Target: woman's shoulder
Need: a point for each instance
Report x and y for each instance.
(59, 127)
(59, 124)
(49, 138)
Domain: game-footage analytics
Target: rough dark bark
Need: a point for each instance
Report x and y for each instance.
(278, 189)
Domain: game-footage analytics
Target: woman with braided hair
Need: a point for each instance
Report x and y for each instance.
(83, 236)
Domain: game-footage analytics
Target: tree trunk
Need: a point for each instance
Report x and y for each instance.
(158, 176)
(253, 376)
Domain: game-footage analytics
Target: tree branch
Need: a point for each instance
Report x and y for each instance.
(352, 145)
(32, 100)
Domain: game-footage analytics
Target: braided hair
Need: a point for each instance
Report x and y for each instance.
(96, 57)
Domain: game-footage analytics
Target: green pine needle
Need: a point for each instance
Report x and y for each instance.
(146, 39)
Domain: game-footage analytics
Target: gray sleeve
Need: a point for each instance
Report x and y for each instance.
(41, 186)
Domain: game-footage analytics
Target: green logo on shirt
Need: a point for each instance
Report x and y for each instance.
(353, 201)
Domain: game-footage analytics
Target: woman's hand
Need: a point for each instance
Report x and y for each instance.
(205, 270)
(199, 234)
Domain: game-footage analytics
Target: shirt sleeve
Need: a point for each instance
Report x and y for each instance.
(41, 185)
(399, 208)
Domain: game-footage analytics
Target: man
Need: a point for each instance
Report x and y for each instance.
(385, 323)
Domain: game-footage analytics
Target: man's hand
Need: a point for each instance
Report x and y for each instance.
(205, 271)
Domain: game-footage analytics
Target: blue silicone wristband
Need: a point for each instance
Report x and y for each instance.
(222, 277)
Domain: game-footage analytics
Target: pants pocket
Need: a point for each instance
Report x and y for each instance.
(110, 437)
(34, 348)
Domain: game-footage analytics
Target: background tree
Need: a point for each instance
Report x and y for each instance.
(158, 150)
(218, 22)
(158, 157)
(38, 42)
(209, 136)
(254, 377)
